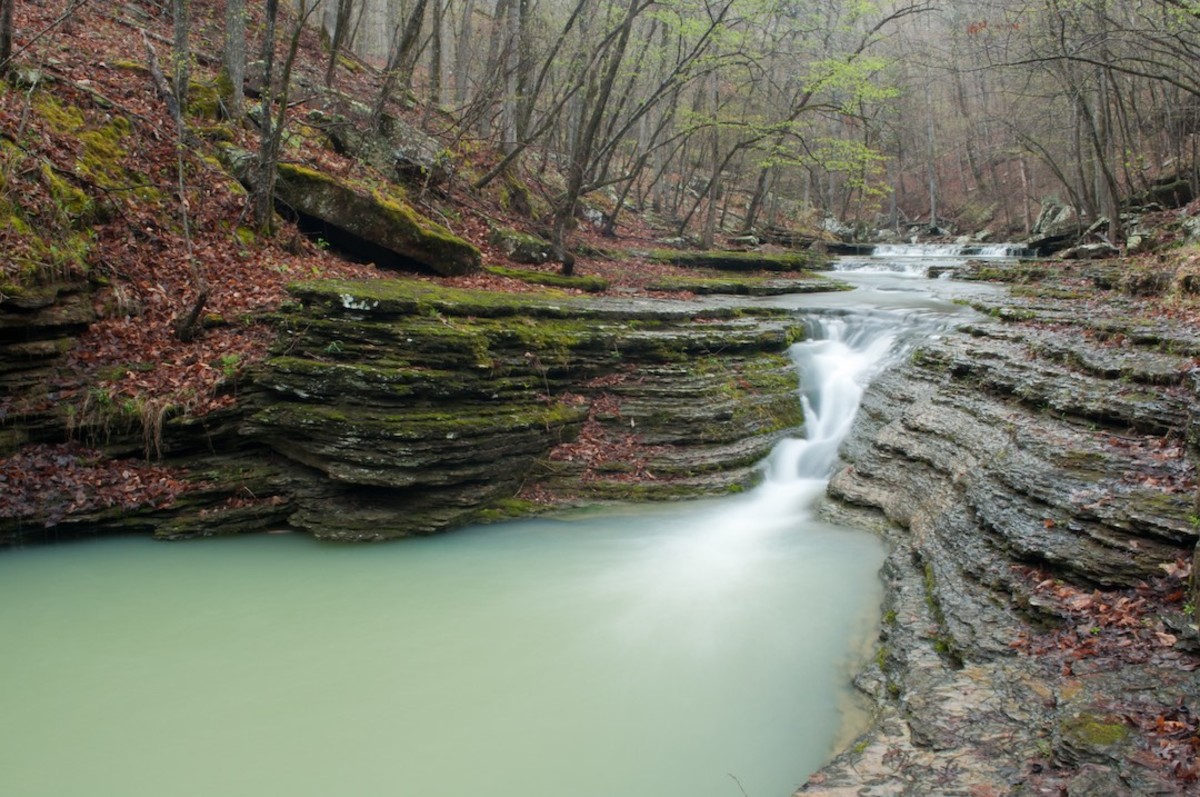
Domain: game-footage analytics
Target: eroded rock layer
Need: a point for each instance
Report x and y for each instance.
(412, 408)
(1035, 475)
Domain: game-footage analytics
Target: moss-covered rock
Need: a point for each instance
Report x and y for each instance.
(553, 279)
(748, 286)
(385, 222)
(415, 407)
(743, 261)
(384, 227)
(521, 247)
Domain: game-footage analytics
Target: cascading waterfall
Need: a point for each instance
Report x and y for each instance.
(950, 250)
(918, 259)
(717, 546)
(834, 365)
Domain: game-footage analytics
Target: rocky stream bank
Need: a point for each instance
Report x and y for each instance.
(1034, 472)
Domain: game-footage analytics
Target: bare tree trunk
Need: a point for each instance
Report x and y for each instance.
(761, 185)
(493, 75)
(234, 57)
(509, 107)
(264, 186)
(181, 56)
(708, 232)
(1025, 198)
(435, 53)
(400, 65)
(1106, 181)
(1078, 110)
(462, 55)
(341, 30)
(6, 31)
(932, 159)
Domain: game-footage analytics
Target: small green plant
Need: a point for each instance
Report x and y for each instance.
(229, 365)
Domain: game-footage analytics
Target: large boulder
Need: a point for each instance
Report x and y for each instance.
(382, 221)
(521, 247)
(1057, 227)
(364, 223)
(1093, 251)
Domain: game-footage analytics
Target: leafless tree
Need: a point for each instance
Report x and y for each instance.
(6, 31)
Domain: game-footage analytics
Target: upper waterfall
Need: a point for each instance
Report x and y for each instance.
(950, 250)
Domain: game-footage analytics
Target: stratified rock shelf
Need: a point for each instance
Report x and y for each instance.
(1034, 474)
(414, 408)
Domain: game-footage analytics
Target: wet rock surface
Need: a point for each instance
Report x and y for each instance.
(1035, 474)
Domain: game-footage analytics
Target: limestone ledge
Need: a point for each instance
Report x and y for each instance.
(412, 408)
(1044, 436)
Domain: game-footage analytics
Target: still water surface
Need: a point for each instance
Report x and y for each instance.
(696, 649)
(575, 657)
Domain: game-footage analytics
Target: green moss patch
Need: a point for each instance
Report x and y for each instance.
(416, 297)
(1094, 732)
(742, 261)
(383, 221)
(805, 282)
(587, 284)
(102, 154)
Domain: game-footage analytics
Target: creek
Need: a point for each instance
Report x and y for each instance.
(702, 648)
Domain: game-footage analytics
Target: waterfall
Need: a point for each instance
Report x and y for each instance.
(709, 556)
(950, 250)
(918, 259)
(834, 366)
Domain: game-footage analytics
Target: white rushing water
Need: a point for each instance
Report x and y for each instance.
(958, 250)
(837, 362)
(693, 649)
(917, 259)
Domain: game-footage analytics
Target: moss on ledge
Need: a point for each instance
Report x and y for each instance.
(416, 297)
(803, 282)
(742, 261)
(403, 297)
(382, 220)
(551, 279)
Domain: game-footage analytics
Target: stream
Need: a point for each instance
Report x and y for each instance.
(702, 648)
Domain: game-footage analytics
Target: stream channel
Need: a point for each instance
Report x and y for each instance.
(699, 649)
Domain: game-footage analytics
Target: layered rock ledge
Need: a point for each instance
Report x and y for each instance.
(393, 408)
(1034, 473)
(413, 408)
